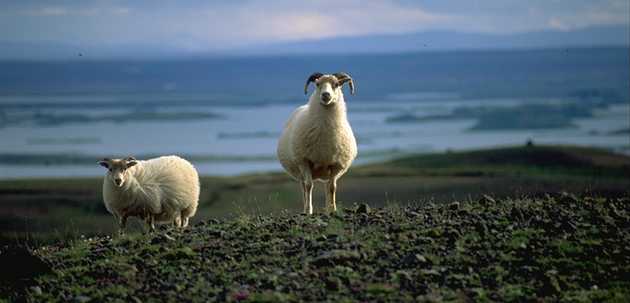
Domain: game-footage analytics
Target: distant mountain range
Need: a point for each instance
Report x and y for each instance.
(422, 41)
(449, 40)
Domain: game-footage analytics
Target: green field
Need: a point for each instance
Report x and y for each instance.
(44, 211)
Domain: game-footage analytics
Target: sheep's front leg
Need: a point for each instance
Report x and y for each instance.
(178, 222)
(331, 203)
(307, 190)
(150, 220)
(122, 222)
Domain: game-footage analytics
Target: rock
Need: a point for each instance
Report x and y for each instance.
(414, 214)
(333, 284)
(161, 238)
(336, 257)
(363, 209)
(421, 259)
(415, 259)
(36, 290)
(404, 278)
(30, 266)
(487, 200)
(332, 237)
(568, 198)
(216, 233)
(82, 299)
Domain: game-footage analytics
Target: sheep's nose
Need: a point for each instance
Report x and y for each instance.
(326, 96)
(118, 181)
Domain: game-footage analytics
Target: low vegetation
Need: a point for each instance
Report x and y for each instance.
(552, 248)
(42, 211)
(478, 225)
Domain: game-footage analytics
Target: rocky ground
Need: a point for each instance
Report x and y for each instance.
(552, 248)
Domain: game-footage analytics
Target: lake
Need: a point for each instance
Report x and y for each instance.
(57, 119)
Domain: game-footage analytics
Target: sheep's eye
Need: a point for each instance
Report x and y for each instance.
(110, 170)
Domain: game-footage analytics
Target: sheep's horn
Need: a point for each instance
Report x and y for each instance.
(312, 78)
(343, 78)
(104, 162)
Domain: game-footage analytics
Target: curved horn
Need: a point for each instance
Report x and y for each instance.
(312, 78)
(343, 78)
(104, 162)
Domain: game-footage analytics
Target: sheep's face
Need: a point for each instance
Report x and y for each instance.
(328, 87)
(328, 90)
(117, 169)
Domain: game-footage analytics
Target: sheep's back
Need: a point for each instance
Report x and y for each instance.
(176, 178)
(170, 182)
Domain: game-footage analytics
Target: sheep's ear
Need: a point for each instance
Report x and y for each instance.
(131, 163)
(130, 158)
(343, 78)
(104, 163)
(312, 78)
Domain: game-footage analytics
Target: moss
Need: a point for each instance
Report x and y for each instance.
(522, 249)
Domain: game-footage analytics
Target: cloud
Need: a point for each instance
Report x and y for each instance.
(207, 26)
(329, 19)
(592, 17)
(557, 24)
(121, 10)
(60, 11)
(47, 11)
(512, 16)
(260, 22)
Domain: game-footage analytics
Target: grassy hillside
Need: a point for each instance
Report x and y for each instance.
(552, 248)
(47, 210)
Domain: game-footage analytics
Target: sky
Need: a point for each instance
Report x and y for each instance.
(215, 26)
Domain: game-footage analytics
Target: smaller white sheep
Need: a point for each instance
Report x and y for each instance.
(162, 190)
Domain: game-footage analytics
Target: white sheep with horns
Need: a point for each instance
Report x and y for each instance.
(159, 190)
(317, 143)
